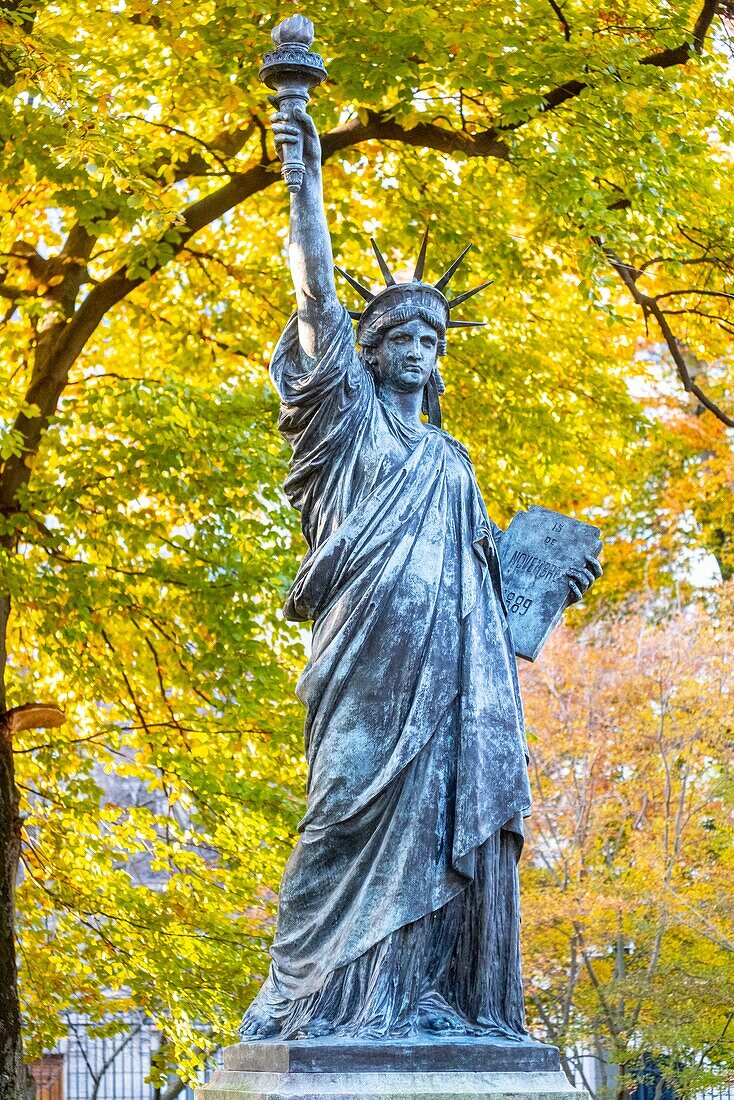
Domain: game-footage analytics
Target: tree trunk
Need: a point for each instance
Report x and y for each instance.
(11, 1050)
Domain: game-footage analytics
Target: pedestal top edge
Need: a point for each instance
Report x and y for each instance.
(450, 1054)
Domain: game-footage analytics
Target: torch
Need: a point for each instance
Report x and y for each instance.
(292, 71)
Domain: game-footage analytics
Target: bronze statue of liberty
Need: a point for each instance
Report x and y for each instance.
(399, 907)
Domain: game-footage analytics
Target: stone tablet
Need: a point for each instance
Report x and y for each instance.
(536, 552)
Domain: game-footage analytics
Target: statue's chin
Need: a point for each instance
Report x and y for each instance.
(406, 385)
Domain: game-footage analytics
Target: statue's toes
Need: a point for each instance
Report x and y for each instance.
(438, 1023)
(318, 1028)
(268, 1029)
(252, 1025)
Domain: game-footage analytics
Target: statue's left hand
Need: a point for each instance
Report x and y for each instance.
(581, 579)
(296, 128)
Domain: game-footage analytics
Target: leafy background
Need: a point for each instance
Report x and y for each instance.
(586, 150)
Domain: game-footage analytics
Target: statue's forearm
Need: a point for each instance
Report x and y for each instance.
(312, 264)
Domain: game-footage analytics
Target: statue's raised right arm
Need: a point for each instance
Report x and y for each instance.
(311, 260)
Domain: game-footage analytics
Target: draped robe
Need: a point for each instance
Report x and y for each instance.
(402, 889)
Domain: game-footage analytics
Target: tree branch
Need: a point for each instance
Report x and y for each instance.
(61, 344)
(694, 290)
(425, 135)
(558, 11)
(226, 144)
(679, 55)
(68, 270)
(663, 59)
(629, 276)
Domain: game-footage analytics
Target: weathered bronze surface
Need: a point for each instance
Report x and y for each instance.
(399, 909)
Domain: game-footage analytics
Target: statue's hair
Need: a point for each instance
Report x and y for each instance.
(371, 336)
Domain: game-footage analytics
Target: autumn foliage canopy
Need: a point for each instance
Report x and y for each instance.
(145, 547)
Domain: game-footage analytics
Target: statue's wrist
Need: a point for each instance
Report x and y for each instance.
(313, 170)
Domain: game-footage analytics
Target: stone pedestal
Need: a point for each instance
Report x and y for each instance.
(451, 1069)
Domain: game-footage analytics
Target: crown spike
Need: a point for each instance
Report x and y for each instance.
(469, 294)
(466, 324)
(421, 263)
(444, 280)
(361, 290)
(386, 273)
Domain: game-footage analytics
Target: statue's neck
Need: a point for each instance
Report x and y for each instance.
(406, 406)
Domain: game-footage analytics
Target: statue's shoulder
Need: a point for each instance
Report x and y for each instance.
(456, 445)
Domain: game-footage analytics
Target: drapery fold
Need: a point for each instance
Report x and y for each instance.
(414, 733)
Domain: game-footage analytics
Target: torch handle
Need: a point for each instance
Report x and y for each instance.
(293, 168)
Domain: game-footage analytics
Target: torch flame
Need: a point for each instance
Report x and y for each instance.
(297, 30)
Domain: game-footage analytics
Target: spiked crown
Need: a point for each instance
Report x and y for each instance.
(401, 302)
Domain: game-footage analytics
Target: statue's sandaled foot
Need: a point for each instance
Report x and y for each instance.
(437, 1017)
(316, 1029)
(258, 1024)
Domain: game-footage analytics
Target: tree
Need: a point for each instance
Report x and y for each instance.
(144, 288)
(629, 939)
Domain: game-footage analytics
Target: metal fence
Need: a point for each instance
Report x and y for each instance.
(86, 1066)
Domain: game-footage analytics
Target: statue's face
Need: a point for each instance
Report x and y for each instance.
(407, 355)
